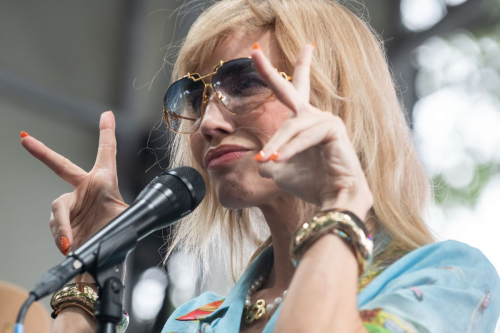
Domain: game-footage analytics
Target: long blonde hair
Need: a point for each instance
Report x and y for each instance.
(349, 77)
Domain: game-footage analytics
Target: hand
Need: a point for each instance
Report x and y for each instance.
(95, 200)
(315, 158)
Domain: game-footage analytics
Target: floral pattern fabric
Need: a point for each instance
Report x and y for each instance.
(442, 287)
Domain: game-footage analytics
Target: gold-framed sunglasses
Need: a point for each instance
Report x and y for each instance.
(236, 84)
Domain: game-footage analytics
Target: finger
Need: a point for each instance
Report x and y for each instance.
(302, 141)
(52, 225)
(286, 132)
(302, 73)
(60, 223)
(61, 166)
(106, 154)
(315, 135)
(268, 170)
(283, 89)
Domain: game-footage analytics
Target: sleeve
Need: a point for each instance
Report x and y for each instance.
(446, 287)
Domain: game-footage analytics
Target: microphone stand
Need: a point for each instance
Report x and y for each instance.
(109, 308)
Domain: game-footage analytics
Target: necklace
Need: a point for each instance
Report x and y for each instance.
(259, 309)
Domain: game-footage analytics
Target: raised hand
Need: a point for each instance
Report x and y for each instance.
(311, 155)
(95, 200)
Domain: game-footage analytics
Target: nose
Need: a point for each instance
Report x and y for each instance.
(216, 122)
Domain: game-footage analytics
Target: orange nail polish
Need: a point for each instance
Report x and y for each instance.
(256, 46)
(274, 156)
(64, 245)
(313, 44)
(260, 156)
(24, 134)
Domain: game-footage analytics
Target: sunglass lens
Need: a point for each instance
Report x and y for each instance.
(183, 102)
(239, 87)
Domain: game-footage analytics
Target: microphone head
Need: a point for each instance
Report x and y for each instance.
(183, 179)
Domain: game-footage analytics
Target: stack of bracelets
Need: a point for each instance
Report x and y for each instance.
(342, 223)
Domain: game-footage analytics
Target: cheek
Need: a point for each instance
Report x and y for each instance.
(270, 118)
(279, 118)
(278, 114)
(196, 145)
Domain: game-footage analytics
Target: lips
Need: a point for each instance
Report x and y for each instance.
(223, 155)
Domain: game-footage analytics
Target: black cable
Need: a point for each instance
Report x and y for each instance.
(24, 309)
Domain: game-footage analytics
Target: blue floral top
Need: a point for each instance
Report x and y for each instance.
(442, 287)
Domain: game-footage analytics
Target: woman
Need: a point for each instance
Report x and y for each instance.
(276, 151)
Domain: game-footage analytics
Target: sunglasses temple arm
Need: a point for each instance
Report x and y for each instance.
(176, 116)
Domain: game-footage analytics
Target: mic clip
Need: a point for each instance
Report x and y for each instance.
(109, 306)
(108, 273)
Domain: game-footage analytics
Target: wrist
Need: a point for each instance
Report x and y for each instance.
(73, 319)
(358, 203)
(84, 278)
(329, 244)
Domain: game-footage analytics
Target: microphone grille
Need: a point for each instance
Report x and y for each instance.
(186, 180)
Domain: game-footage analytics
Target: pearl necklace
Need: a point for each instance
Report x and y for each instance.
(259, 309)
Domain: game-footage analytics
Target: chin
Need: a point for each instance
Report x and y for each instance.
(233, 195)
(239, 192)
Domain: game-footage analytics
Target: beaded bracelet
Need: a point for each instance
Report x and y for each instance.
(342, 223)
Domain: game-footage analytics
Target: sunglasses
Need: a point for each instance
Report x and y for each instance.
(236, 84)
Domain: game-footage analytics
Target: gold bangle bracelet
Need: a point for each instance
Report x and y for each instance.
(344, 224)
(82, 295)
(76, 304)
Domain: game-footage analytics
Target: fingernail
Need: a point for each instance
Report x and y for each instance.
(313, 44)
(274, 156)
(260, 156)
(24, 134)
(256, 46)
(64, 245)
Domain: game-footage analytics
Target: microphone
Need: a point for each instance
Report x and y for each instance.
(169, 197)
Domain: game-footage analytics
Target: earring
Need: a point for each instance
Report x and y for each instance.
(238, 213)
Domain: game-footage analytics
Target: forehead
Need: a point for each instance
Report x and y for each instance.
(240, 45)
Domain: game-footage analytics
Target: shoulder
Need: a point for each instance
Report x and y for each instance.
(444, 286)
(450, 261)
(450, 256)
(448, 251)
(185, 318)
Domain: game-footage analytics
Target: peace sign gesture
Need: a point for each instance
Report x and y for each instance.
(95, 200)
(311, 155)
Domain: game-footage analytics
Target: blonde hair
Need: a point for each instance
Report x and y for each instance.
(349, 77)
